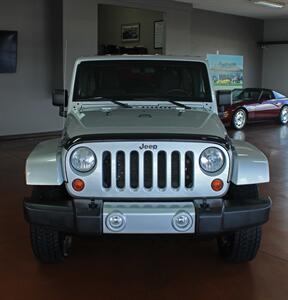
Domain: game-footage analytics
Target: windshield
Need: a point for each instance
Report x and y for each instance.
(134, 79)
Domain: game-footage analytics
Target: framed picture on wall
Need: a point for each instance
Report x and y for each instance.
(159, 31)
(227, 71)
(130, 32)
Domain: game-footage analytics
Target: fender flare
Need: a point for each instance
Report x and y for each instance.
(250, 165)
(44, 164)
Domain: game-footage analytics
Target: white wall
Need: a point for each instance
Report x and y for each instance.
(25, 96)
(275, 58)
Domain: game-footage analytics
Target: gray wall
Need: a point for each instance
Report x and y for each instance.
(275, 58)
(80, 32)
(212, 32)
(110, 31)
(80, 19)
(188, 32)
(25, 96)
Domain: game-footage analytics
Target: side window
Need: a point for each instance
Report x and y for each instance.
(266, 95)
(278, 95)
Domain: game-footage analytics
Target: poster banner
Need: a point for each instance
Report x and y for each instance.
(226, 71)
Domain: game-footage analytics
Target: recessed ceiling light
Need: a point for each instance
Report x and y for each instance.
(271, 4)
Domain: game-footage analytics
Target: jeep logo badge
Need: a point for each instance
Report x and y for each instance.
(148, 147)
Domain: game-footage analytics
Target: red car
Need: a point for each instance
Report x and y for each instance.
(240, 106)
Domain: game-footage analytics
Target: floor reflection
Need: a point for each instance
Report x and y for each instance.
(238, 135)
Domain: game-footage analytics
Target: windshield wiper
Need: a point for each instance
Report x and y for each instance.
(113, 100)
(179, 104)
(121, 104)
(173, 100)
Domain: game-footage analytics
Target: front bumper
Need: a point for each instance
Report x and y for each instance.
(209, 217)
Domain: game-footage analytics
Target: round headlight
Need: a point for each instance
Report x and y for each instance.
(212, 160)
(83, 160)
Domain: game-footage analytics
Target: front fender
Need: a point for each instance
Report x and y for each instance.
(250, 165)
(43, 166)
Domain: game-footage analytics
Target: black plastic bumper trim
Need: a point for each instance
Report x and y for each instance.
(224, 216)
(84, 216)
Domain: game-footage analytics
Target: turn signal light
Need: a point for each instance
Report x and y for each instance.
(217, 185)
(78, 185)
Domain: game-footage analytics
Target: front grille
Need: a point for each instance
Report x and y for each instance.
(147, 169)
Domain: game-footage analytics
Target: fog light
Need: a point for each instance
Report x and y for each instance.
(217, 185)
(78, 185)
(182, 222)
(116, 222)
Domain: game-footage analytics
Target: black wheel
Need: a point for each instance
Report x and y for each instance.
(239, 119)
(283, 117)
(241, 246)
(49, 246)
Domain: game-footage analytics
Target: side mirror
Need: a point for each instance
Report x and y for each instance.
(60, 99)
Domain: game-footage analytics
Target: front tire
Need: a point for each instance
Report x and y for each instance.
(49, 246)
(283, 118)
(241, 246)
(239, 119)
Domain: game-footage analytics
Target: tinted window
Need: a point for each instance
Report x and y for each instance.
(187, 81)
(266, 95)
(249, 94)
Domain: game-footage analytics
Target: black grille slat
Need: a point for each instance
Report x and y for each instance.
(175, 170)
(106, 170)
(162, 169)
(148, 170)
(120, 169)
(134, 170)
(189, 170)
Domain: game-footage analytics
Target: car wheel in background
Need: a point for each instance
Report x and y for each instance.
(284, 115)
(239, 119)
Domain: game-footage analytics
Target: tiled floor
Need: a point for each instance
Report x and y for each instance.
(144, 267)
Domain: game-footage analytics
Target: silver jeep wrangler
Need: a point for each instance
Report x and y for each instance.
(144, 152)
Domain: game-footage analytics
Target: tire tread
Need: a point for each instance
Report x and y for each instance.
(46, 244)
(245, 246)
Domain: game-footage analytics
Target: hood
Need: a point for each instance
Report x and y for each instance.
(144, 121)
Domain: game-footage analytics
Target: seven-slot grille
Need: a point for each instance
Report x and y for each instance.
(147, 169)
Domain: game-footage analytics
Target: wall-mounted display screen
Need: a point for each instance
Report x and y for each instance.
(8, 51)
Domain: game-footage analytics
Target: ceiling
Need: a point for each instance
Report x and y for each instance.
(240, 7)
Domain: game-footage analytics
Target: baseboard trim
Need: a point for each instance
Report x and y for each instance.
(29, 136)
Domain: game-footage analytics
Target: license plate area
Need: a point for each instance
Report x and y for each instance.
(148, 218)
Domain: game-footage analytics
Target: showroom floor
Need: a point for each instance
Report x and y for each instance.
(144, 267)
